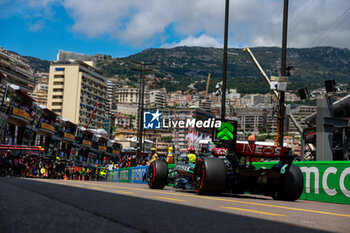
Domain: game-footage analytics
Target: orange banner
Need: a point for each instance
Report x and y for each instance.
(21, 113)
(115, 152)
(102, 148)
(87, 143)
(48, 127)
(70, 136)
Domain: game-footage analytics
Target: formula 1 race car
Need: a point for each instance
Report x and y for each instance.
(222, 172)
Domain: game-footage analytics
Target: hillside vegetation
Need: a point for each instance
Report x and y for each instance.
(182, 66)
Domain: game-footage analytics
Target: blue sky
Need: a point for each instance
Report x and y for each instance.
(40, 28)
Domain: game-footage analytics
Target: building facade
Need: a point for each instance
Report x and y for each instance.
(75, 89)
(40, 91)
(121, 121)
(180, 133)
(300, 113)
(17, 71)
(157, 99)
(112, 85)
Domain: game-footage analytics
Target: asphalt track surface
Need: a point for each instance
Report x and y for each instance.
(44, 205)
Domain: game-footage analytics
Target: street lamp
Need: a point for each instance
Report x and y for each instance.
(223, 99)
(283, 74)
(141, 69)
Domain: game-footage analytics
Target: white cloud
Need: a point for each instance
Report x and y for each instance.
(36, 26)
(252, 22)
(203, 40)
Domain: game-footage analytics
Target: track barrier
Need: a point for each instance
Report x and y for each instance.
(326, 181)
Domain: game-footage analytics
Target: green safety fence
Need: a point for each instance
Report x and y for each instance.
(124, 175)
(326, 181)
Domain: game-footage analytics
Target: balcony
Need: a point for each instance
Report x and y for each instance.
(102, 148)
(86, 143)
(69, 138)
(46, 129)
(19, 117)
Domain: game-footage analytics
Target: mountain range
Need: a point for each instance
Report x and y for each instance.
(180, 67)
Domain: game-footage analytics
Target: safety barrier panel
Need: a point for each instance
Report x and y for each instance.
(113, 175)
(137, 174)
(326, 181)
(124, 175)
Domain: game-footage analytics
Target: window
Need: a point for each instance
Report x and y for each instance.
(56, 104)
(58, 83)
(57, 97)
(57, 90)
(59, 69)
(58, 76)
(57, 110)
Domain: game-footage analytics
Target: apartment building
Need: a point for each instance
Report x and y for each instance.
(40, 90)
(75, 88)
(157, 98)
(16, 70)
(258, 99)
(179, 134)
(257, 119)
(121, 121)
(112, 85)
(300, 113)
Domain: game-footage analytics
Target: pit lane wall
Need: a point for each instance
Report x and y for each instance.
(132, 174)
(326, 181)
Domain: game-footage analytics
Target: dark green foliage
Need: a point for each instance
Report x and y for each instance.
(182, 66)
(38, 65)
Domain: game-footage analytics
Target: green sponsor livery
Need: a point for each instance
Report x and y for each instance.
(327, 181)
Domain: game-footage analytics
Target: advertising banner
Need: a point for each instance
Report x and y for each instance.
(137, 174)
(48, 127)
(88, 143)
(124, 175)
(113, 175)
(69, 136)
(20, 113)
(327, 181)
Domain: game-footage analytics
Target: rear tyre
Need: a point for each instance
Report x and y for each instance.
(291, 184)
(209, 176)
(157, 174)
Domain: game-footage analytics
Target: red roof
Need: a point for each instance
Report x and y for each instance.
(120, 115)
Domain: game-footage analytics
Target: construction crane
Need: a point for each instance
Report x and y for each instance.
(92, 114)
(207, 88)
(291, 116)
(191, 86)
(186, 92)
(153, 80)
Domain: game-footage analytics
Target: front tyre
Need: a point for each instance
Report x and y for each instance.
(157, 174)
(209, 176)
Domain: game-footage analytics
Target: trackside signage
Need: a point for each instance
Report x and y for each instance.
(124, 175)
(327, 181)
(137, 174)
